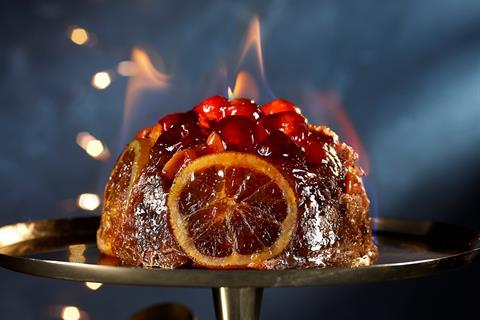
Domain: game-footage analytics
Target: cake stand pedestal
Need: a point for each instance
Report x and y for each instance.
(65, 249)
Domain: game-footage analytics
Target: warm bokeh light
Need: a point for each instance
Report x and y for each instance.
(101, 80)
(92, 146)
(79, 36)
(71, 313)
(245, 87)
(95, 148)
(13, 234)
(88, 201)
(77, 253)
(93, 285)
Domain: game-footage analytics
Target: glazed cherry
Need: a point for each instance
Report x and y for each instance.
(277, 106)
(177, 119)
(183, 133)
(314, 152)
(243, 107)
(261, 134)
(211, 110)
(279, 145)
(238, 132)
(290, 123)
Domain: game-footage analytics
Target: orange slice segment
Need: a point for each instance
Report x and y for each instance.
(231, 209)
(118, 190)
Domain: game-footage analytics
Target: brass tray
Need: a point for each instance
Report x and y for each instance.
(65, 249)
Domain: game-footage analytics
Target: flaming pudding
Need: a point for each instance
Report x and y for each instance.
(232, 184)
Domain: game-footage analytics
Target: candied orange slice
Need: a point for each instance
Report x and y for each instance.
(119, 188)
(231, 209)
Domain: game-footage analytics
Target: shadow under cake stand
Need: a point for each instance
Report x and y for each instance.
(407, 249)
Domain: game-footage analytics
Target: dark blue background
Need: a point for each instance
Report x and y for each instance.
(407, 72)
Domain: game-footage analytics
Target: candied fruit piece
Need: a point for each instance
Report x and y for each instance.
(151, 133)
(232, 210)
(144, 133)
(278, 106)
(323, 134)
(314, 152)
(215, 143)
(178, 161)
(238, 132)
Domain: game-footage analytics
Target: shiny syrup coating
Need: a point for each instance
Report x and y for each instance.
(333, 226)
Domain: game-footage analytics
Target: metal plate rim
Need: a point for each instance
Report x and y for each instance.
(239, 278)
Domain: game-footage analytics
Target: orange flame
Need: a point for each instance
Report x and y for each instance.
(143, 76)
(254, 41)
(329, 108)
(246, 85)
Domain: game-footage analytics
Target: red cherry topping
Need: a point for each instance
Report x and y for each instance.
(238, 132)
(243, 107)
(279, 145)
(261, 134)
(275, 130)
(170, 120)
(183, 134)
(277, 106)
(290, 123)
(314, 152)
(211, 110)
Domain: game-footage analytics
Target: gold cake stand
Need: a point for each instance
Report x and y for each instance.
(407, 249)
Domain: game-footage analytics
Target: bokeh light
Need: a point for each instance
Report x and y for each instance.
(88, 201)
(71, 313)
(101, 80)
(93, 285)
(95, 148)
(92, 146)
(79, 36)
